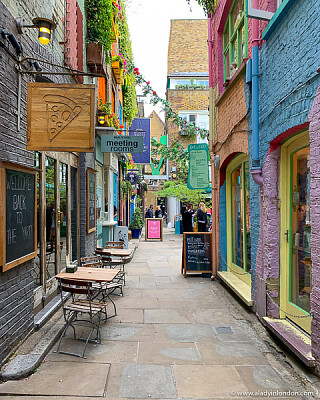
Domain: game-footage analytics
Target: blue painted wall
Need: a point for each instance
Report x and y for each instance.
(288, 63)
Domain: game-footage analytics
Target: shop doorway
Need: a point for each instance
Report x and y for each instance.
(295, 249)
(238, 218)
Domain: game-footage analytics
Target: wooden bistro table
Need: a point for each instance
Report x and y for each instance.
(114, 252)
(88, 274)
(98, 275)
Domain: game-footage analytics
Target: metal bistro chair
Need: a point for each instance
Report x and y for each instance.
(114, 245)
(80, 306)
(104, 288)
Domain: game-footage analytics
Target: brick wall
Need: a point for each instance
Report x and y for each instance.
(188, 49)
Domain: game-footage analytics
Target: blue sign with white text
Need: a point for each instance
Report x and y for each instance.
(141, 127)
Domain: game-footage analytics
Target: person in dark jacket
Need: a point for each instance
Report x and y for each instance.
(187, 218)
(149, 213)
(202, 218)
(158, 213)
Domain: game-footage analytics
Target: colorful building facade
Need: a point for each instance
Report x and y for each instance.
(265, 129)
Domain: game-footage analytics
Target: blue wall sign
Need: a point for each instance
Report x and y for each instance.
(141, 127)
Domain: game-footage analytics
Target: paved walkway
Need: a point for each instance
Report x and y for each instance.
(173, 338)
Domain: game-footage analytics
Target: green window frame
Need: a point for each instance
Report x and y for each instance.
(235, 38)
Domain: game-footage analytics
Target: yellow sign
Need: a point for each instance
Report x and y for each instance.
(61, 117)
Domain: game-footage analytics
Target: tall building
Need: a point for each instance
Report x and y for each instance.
(265, 145)
(187, 86)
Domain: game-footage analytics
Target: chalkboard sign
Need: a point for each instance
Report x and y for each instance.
(197, 252)
(91, 200)
(18, 216)
(154, 228)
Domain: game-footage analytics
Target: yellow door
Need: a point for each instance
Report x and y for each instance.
(295, 250)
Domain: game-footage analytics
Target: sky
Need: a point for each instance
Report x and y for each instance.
(149, 25)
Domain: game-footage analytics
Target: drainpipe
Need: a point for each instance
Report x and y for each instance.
(256, 171)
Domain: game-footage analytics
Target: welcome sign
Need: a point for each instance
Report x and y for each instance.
(121, 144)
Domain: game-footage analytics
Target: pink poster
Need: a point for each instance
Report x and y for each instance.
(154, 229)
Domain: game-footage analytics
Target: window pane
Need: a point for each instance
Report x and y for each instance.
(300, 280)
(50, 218)
(226, 35)
(63, 215)
(37, 273)
(237, 220)
(236, 13)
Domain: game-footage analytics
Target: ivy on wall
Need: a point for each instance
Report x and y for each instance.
(207, 5)
(99, 23)
(125, 49)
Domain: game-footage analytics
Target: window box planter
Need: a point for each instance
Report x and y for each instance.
(96, 58)
(117, 71)
(114, 32)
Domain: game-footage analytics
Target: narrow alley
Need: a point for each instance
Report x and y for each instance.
(173, 338)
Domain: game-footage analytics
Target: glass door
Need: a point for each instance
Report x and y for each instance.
(50, 218)
(295, 222)
(74, 215)
(63, 214)
(238, 218)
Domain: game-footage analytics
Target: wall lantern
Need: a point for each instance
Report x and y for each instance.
(101, 118)
(44, 25)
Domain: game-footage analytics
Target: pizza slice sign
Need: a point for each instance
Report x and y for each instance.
(61, 111)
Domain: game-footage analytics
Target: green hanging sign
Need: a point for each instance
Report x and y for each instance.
(198, 176)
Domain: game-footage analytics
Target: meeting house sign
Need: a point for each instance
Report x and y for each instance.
(61, 117)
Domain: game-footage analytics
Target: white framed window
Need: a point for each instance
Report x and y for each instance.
(199, 118)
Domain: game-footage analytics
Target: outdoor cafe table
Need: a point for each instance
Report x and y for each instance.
(88, 274)
(114, 252)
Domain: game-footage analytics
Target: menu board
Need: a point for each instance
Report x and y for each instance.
(154, 228)
(91, 200)
(197, 252)
(18, 227)
(198, 176)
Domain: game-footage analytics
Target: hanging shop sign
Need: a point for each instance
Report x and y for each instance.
(61, 117)
(198, 176)
(140, 127)
(197, 253)
(91, 200)
(154, 228)
(121, 144)
(18, 216)
(132, 177)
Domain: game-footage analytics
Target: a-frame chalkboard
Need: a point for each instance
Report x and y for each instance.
(197, 253)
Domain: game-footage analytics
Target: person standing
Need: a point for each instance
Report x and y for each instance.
(158, 213)
(187, 218)
(149, 213)
(202, 218)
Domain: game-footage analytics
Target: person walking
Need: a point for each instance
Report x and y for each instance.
(158, 213)
(187, 218)
(202, 218)
(149, 213)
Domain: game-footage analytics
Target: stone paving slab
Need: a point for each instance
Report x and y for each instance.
(164, 316)
(211, 316)
(147, 381)
(126, 315)
(234, 353)
(62, 379)
(203, 381)
(137, 303)
(166, 353)
(107, 352)
(128, 332)
(189, 333)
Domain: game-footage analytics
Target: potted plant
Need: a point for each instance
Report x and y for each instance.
(136, 223)
(105, 115)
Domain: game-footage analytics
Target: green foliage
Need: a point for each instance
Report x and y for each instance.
(192, 86)
(176, 152)
(137, 219)
(126, 189)
(182, 193)
(207, 5)
(125, 49)
(105, 107)
(99, 23)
